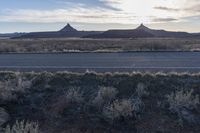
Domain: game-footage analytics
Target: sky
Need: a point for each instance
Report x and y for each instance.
(52, 15)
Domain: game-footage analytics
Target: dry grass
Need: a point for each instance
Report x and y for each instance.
(23, 127)
(10, 87)
(182, 99)
(105, 95)
(127, 102)
(100, 45)
(141, 90)
(4, 116)
(183, 102)
(119, 108)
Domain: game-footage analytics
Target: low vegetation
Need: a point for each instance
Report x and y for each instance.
(119, 109)
(65, 102)
(105, 95)
(23, 127)
(181, 102)
(99, 45)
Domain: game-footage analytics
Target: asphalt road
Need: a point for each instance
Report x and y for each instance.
(103, 62)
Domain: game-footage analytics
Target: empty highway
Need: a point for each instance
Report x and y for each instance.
(103, 62)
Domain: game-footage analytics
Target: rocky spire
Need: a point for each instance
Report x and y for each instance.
(142, 27)
(68, 28)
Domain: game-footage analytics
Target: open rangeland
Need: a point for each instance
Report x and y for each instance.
(112, 103)
(99, 45)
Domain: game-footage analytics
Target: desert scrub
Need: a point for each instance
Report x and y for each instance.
(104, 96)
(23, 127)
(9, 88)
(6, 91)
(119, 109)
(182, 101)
(4, 116)
(141, 90)
(72, 97)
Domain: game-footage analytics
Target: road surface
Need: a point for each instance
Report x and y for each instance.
(103, 62)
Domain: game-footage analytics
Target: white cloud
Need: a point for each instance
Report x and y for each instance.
(130, 12)
(78, 14)
(176, 9)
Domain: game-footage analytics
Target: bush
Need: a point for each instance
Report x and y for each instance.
(141, 90)
(74, 96)
(105, 95)
(71, 97)
(182, 103)
(8, 89)
(4, 116)
(23, 127)
(180, 100)
(22, 83)
(119, 108)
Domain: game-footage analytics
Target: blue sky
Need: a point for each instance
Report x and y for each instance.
(50, 15)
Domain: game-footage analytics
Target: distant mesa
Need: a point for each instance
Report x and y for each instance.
(140, 32)
(67, 32)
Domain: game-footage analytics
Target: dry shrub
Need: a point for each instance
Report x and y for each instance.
(141, 90)
(72, 97)
(4, 116)
(180, 100)
(23, 127)
(8, 89)
(105, 95)
(119, 108)
(22, 83)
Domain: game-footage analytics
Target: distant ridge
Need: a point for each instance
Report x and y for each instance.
(66, 32)
(140, 32)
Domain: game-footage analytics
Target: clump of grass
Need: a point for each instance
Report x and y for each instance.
(74, 95)
(4, 116)
(23, 127)
(22, 83)
(6, 91)
(105, 95)
(181, 99)
(181, 102)
(141, 90)
(119, 108)
(9, 88)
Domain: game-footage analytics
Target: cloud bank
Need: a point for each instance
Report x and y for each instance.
(119, 11)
